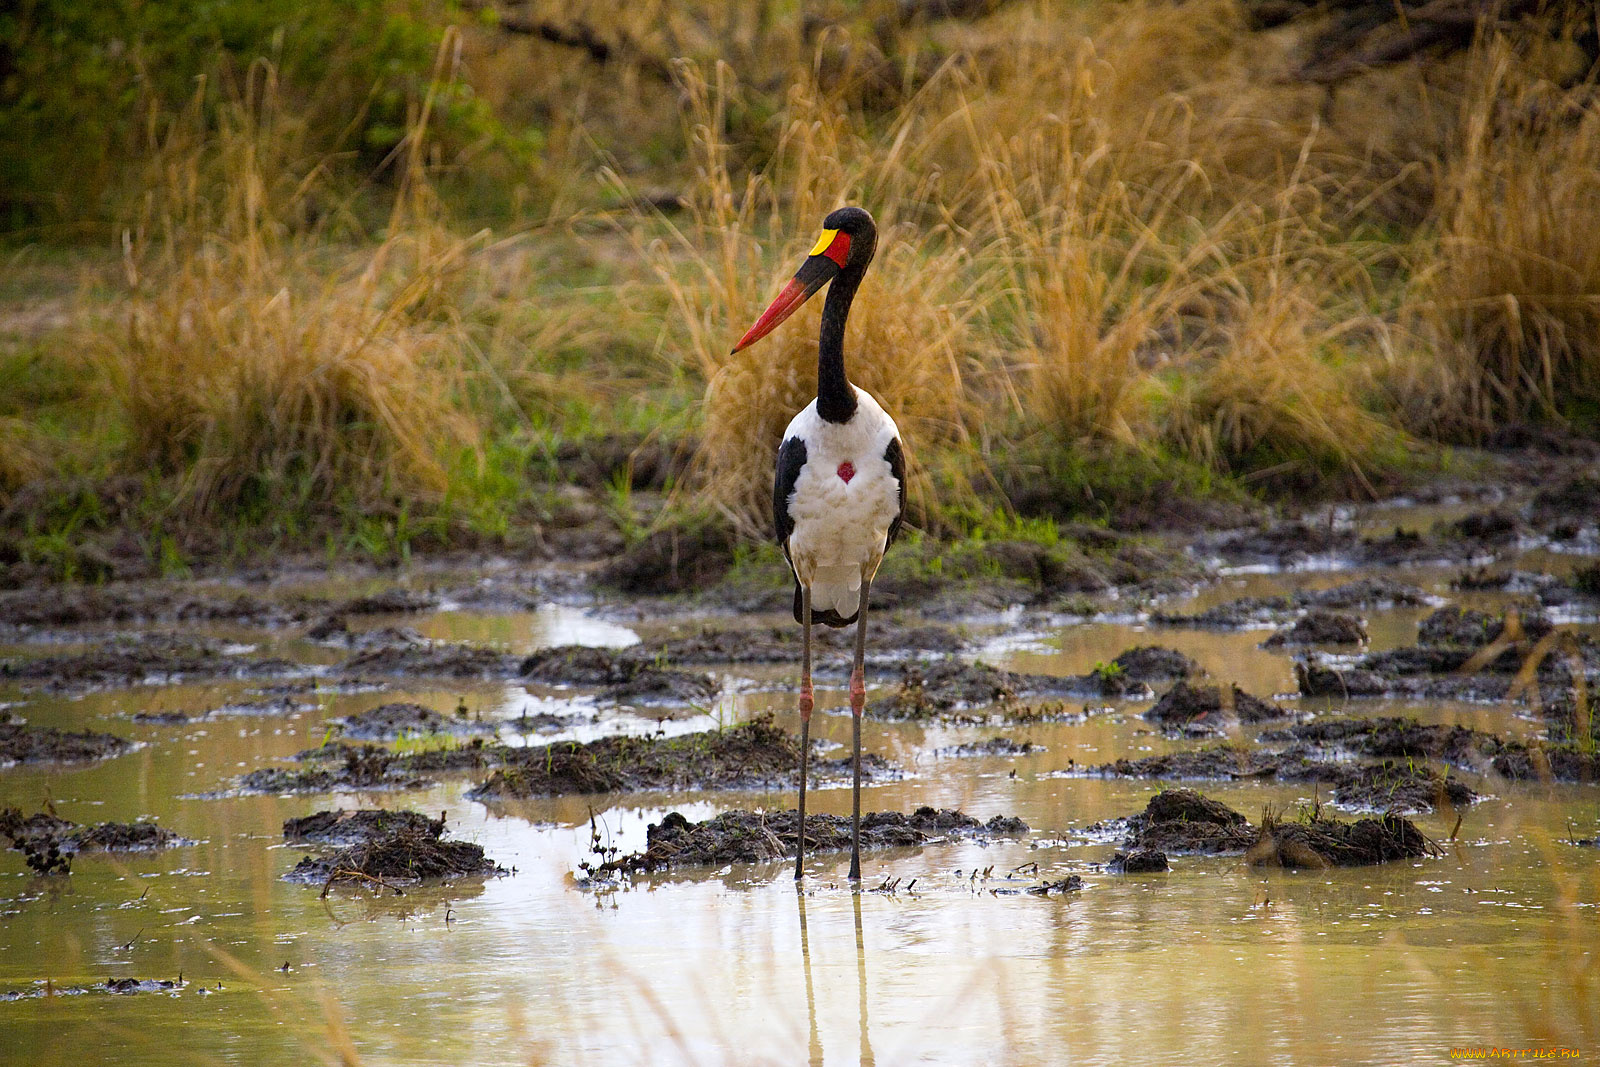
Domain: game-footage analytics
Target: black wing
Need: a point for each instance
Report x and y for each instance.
(895, 456)
(791, 457)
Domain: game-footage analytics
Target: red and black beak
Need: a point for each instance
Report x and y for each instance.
(823, 265)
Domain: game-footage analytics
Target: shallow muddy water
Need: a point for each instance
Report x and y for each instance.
(1494, 943)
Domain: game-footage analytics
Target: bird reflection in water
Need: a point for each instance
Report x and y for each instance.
(814, 1047)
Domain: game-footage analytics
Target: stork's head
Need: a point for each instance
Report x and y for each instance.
(849, 238)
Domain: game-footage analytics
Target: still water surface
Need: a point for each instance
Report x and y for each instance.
(1495, 943)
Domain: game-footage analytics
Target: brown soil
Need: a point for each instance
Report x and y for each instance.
(388, 722)
(1197, 710)
(887, 639)
(344, 828)
(1139, 861)
(1320, 842)
(680, 559)
(1183, 821)
(994, 746)
(1256, 611)
(1393, 738)
(752, 755)
(433, 661)
(1453, 627)
(45, 744)
(411, 850)
(1154, 663)
(754, 837)
(624, 676)
(49, 842)
(1321, 628)
(935, 690)
(146, 659)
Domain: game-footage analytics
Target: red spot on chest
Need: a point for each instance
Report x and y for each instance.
(847, 470)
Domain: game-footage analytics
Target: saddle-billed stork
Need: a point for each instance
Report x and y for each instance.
(840, 489)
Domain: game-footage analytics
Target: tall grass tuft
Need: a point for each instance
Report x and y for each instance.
(1510, 294)
(263, 373)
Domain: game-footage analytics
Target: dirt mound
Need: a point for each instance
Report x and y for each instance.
(1395, 738)
(1181, 820)
(1258, 611)
(77, 605)
(147, 659)
(1224, 761)
(1154, 663)
(433, 661)
(1454, 627)
(1544, 763)
(49, 842)
(888, 639)
(938, 689)
(622, 676)
(411, 851)
(45, 744)
(363, 767)
(755, 837)
(1139, 861)
(1319, 842)
(754, 754)
(1321, 628)
(1207, 709)
(679, 559)
(387, 722)
(344, 828)
(392, 601)
(994, 746)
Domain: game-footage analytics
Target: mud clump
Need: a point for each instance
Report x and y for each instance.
(1453, 627)
(344, 828)
(363, 767)
(994, 746)
(1212, 761)
(678, 559)
(754, 754)
(1394, 738)
(433, 661)
(1139, 861)
(1258, 611)
(1183, 821)
(1321, 628)
(406, 852)
(939, 689)
(1154, 663)
(388, 722)
(76, 605)
(621, 676)
(1319, 842)
(49, 842)
(1548, 762)
(781, 644)
(148, 659)
(754, 837)
(391, 601)
(1206, 709)
(20, 743)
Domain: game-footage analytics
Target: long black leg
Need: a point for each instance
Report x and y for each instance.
(806, 702)
(858, 703)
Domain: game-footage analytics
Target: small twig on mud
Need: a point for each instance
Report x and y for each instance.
(887, 885)
(360, 877)
(1457, 828)
(1026, 868)
(129, 946)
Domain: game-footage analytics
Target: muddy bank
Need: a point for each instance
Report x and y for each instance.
(756, 837)
(1183, 821)
(116, 986)
(944, 687)
(390, 849)
(49, 842)
(993, 746)
(1462, 746)
(281, 706)
(888, 639)
(1200, 710)
(1248, 612)
(342, 767)
(20, 743)
(389, 722)
(752, 755)
(624, 677)
(1319, 627)
(1387, 785)
(148, 659)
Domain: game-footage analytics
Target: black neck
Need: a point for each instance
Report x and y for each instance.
(836, 399)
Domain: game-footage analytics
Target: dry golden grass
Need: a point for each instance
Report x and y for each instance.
(243, 362)
(1509, 294)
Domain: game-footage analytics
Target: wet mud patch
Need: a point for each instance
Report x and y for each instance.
(284, 705)
(1139, 861)
(1249, 612)
(889, 639)
(157, 658)
(993, 746)
(79, 605)
(1179, 821)
(345, 828)
(1296, 543)
(1318, 842)
(945, 687)
(1199, 710)
(389, 722)
(20, 743)
(334, 631)
(389, 849)
(752, 755)
(757, 837)
(624, 676)
(1461, 746)
(1320, 627)
(1154, 663)
(116, 986)
(48, 842)
(433, 661)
